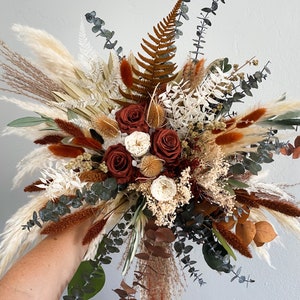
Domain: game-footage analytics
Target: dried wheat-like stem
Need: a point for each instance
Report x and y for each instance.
(243, 197)
(283, 207)
(24, 78)
(69, 128)
(169, 283)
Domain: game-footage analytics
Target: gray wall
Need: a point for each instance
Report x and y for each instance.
(267, 29)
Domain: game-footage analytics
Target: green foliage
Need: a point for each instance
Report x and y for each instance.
(224, 244)
(204, 24)
(53, 210)
(244, 88)
(182, 14)
(241, 278)
(225, 65)
(190, 228)
(216, 256)
(253, 80)
(113, 240)
(88, 280)
(31, 121)
(107, 34)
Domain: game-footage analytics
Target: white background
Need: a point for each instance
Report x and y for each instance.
(266, 29)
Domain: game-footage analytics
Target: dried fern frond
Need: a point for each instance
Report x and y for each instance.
(157, 65)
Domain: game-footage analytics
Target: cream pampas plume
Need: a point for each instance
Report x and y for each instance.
(35, 160)
(41, 109)
(51, 54)
(15, 241)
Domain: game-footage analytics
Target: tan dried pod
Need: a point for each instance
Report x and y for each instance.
(155, 115)
(106, 126)
(151, 165)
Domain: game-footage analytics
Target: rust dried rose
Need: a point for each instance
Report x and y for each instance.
(132, 118)
(119, 163)
(166, 145)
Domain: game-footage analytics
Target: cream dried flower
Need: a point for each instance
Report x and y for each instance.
(163, 188)
(137, 143)
(58, 180)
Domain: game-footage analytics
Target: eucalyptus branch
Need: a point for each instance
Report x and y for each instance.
(107, 34)
(201, 29)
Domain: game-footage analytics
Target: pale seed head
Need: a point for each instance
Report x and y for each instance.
(151, 165)
(155, 115)
(106, 126)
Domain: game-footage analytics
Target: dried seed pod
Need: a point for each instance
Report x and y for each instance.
(155, 115)
(151, 165)
(106, 126)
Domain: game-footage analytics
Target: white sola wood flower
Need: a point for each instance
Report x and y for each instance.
(137, 143)
(58, 180)
(163, 188)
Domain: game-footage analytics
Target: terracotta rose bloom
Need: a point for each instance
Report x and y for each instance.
(132, 118)
(166, 145)
(119, 163)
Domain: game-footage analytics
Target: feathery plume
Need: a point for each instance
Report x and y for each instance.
(51, 53)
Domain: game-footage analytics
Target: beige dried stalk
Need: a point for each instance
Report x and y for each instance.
(24, 78)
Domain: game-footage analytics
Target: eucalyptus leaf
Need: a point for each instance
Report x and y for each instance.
(96, 280)
(214, 257)
(237, 169)
(27, 122)
(237, 183)
(71, 115)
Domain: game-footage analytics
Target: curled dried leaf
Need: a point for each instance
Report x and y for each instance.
(245, 231)
(129, 290)
(228, 224)
(164, 234)
(143, 256)
(157, 251)
(264, 232)
(244, 215)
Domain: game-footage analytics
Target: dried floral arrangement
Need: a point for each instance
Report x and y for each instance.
(156, 156)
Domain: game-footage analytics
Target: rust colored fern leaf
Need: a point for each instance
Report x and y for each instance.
(93, 231)
(69, 220)
(233, 240)
(69, 128)
(156, 64)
